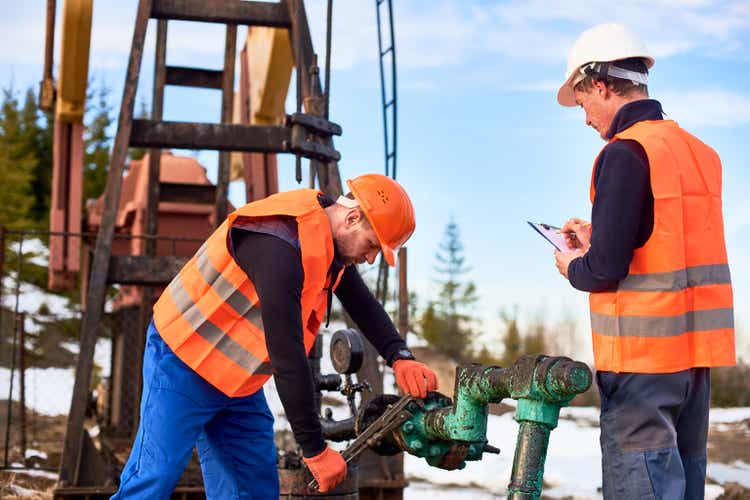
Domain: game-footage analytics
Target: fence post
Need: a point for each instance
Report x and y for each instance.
(22, 381)
(19, 259)
(2, 261)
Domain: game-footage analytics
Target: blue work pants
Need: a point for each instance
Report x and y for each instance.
(180, 410)
(654, 429)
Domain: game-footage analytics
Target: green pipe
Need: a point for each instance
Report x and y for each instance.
(448, 433)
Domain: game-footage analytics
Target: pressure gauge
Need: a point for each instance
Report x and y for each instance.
(347, 351)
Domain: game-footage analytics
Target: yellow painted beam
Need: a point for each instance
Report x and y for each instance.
(74, 60)
(270, 62)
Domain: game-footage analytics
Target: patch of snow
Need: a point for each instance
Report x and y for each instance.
(584, 414)
(34, 472)
(419, 490)
(413, 340)
(737, 472)
(48, 390)
(23, 492)
(35, 453)
(31, 298)
(34, 251)
(713, 491)
(727, 415)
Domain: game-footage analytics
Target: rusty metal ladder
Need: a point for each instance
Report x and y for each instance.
(305, 134)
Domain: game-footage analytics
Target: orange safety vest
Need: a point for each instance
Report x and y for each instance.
(210, 316)
(673, 311)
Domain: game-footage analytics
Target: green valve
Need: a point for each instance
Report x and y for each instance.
(449, 432)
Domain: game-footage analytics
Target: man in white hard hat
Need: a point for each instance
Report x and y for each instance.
(654, 261)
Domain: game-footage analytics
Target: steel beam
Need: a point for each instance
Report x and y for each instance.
(214, 136)
(144, 270)
(227, 99)
(204, 194)
(223, 11)
(97, 285)
(194, 77)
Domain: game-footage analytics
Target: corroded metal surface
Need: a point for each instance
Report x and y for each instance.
(294, 483)
(447, 433)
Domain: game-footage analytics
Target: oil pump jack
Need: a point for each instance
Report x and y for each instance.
(446, 432)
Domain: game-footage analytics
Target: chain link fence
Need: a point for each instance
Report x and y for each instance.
(39, 341)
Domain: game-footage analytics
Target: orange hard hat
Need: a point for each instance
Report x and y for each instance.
(388, 209)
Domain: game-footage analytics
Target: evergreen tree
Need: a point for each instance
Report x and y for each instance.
(446, 323)
(535, 341)
(97, 145)
(38, 133)
(512, 341)
(17, 165)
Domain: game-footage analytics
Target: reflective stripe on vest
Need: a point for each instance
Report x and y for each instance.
(674, 309)
(210, 315)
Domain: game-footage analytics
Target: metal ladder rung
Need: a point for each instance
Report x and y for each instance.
(390, 103)
(193, 77)
(270, 14)
(389, 49)
(143, 270)
(174, 192)
(211, 136)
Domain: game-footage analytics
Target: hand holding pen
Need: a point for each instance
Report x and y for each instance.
(577, 233)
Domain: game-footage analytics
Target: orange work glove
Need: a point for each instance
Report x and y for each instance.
(328, 468)
(414, 378)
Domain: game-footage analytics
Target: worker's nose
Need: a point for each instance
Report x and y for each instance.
(371, 257)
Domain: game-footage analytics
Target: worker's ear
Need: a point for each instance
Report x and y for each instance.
(601, 89)
(353, 217)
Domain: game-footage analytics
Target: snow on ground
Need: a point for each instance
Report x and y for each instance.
(34, 251)
(572, 469)
(737, 472)
(31, 298)
(49, 390)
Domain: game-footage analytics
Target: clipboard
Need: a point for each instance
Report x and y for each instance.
(551, 234)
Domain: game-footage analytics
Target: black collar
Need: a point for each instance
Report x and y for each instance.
(634, 112)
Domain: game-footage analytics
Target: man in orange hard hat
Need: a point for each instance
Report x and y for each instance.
(654, 261)
(247, 306)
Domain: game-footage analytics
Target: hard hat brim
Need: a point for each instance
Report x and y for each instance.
(566, 95)
(389, 254)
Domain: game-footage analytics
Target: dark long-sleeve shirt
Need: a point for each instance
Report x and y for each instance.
(622, 216)
(275, 268)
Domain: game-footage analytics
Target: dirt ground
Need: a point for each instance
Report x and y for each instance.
(727, 443)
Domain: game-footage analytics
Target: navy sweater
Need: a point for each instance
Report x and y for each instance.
(275, 267)
(622, 215)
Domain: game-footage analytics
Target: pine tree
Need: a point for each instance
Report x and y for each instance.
(17, 165)
(447, 323)
(38, 131)
(535, 341)
(512, 341)
(97, 145)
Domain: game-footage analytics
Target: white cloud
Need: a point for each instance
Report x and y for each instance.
(430, 34)
(707, 107)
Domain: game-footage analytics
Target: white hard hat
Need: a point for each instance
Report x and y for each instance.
(603, 43)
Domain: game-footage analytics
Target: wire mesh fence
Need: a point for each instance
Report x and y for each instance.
(39, 340)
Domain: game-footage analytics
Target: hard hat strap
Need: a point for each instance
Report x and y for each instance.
(600, 71)
(626, 74)
(347, 202)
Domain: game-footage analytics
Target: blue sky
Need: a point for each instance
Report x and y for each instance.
(481, 136)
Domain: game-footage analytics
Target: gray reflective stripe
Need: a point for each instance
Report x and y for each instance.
(254, 317)
(712, 274)
(223, 288)
(662, 326)
(210, 332)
